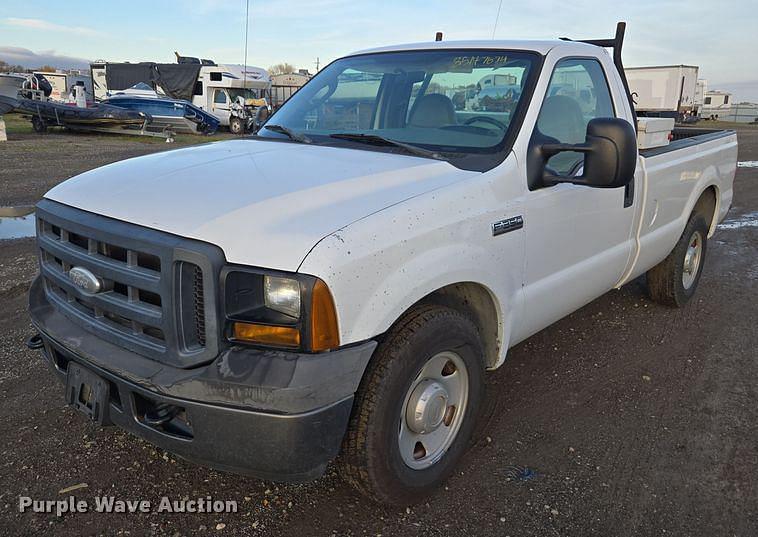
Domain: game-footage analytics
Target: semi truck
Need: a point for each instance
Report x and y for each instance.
(337, 286)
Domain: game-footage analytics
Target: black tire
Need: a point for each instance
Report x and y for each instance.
(236, 126)
(371, 459)
(664, 281)
(39, 125)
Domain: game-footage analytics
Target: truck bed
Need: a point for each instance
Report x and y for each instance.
(687, 137)
(673, 178)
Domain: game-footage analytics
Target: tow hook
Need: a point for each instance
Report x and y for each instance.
(35, 342)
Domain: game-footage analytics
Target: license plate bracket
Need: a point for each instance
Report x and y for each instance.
(87, 393)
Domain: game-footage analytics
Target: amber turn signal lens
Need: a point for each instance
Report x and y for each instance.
(267, 335)
(324, 332)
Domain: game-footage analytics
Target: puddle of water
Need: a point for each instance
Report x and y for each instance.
(21, 210)
(748, 164)
(16, 222)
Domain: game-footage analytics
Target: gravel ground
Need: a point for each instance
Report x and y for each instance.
(633, 419)
(32, 164)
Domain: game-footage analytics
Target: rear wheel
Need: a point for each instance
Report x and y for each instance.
(39, 125)
(674, 280)
(416, 408)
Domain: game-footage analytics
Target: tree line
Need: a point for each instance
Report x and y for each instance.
(6, 67)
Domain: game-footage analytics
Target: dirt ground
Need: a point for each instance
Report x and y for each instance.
(629, 418)
(31, 164)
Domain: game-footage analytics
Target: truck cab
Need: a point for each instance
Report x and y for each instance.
(341, 282)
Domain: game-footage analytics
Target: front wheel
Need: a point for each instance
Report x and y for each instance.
(674, 280)
(236, 126)
(416, 408)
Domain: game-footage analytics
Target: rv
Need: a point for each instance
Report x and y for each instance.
(220, 87)
(222, 90)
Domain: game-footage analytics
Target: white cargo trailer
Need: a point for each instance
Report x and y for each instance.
(666, 90)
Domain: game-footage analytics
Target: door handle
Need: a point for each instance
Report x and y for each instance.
(629, 193)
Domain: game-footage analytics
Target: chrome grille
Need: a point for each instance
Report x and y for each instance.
(130, 303)
(152, 299)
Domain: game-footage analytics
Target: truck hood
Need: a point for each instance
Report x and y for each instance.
(264, 203)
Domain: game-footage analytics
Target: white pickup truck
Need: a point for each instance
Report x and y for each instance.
(339, 283)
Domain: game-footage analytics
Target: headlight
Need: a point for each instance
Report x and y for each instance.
(282, 294)
(294, 311)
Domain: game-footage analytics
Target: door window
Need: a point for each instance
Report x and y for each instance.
(578, 92)
(219, 97)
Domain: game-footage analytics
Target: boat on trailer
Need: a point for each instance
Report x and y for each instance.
(10, 85)
(7, 104)
(48, 113)
(168, 114)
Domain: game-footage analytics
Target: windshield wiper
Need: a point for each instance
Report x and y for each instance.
(376, 139)
(292, 135)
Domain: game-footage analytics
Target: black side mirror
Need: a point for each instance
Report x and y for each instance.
(610, 156)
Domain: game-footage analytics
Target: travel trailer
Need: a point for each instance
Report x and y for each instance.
(285, 84)
(232, 93)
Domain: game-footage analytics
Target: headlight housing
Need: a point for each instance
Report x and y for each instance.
(278, 309)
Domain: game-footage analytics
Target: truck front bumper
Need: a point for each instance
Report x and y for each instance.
(269, 414)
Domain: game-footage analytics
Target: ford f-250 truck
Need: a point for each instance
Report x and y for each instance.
(340, 282)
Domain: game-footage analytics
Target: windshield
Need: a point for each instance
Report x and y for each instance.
(459, 101)
(246, 93)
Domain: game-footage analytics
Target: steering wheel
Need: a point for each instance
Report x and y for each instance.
(486, 119)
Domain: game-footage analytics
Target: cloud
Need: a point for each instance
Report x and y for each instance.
(30, 59)
(39, 24)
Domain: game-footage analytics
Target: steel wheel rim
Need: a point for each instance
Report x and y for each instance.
(433, 410)
(692, 257)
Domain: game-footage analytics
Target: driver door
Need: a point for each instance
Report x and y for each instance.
(221, 107)
(578, 238)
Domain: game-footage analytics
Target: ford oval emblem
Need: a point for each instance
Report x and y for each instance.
(85, 280)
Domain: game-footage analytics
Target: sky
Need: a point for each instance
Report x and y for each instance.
(719, 37)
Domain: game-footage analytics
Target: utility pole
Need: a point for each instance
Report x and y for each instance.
(247, 22)
(317, 64)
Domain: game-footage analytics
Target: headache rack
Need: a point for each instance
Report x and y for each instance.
(614, 43)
